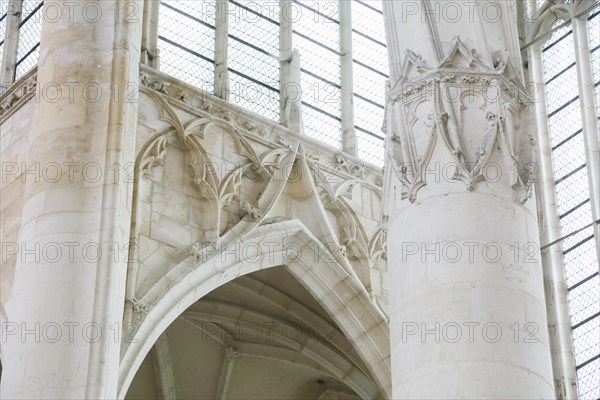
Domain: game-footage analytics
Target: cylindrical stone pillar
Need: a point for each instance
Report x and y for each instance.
(467, 306)
(62, 333)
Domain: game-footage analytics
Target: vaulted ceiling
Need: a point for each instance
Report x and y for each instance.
(261, 336)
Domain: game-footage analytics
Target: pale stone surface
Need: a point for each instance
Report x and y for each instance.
(467, 312)
(68, 289)
(209, 193)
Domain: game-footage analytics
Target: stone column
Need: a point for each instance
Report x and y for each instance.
(150, 53)
(591, 135)
(11, 43)
(565, 377)
(63, 330)
(467, 306)
(349, 141)
(222, 83)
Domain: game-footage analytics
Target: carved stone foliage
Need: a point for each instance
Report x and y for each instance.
(378, 246)
(469, 109)
(225, 192)
(336, 185)
(250, 212)
(185, 140)
(356, 170)
(193, 98)
(139, 308)
(18, 94)
(231, 353)
(201, 179)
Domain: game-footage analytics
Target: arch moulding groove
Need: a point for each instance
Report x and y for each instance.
(338, 292)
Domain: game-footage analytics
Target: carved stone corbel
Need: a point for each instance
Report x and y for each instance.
(139, 308)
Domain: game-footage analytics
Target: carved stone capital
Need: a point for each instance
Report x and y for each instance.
(231, 353)
(138, 308)
(478, 114)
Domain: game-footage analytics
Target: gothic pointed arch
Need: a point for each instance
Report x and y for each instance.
(311, 263)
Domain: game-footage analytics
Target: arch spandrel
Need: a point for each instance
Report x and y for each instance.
(279, 199)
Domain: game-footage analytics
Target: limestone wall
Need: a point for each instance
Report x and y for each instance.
(206, 166)
(17, 111)
(215, 193)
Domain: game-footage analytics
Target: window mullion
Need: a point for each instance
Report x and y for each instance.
(222, 84)
(285, 59)
(11, 43)
(553, 263)
(588, 117)
(347, 110)
(150, 53)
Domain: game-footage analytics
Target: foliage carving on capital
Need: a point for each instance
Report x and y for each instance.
(140, 309)
(231, 353)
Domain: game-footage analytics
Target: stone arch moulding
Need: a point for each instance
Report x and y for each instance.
(552, 11)
(312, 264)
